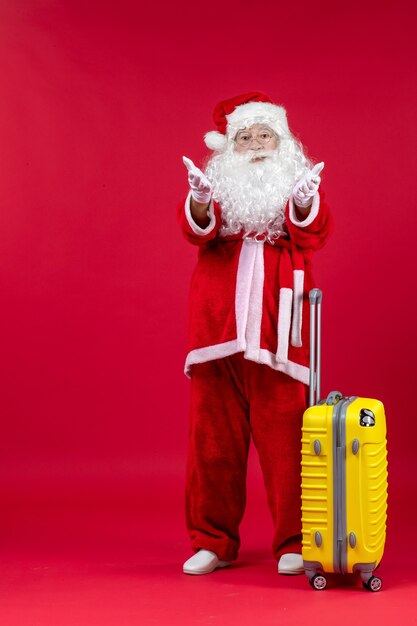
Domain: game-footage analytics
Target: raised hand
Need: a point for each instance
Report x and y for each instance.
(200, 185)
(307, 186)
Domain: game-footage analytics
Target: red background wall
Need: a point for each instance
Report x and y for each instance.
(99, 101)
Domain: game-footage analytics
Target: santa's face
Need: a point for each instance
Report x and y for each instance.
(252, 180)
(254, 139)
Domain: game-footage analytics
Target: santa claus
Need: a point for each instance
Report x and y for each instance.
(257, 216)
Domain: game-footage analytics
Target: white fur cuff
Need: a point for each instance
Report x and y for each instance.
(195, 227)
(310, 217)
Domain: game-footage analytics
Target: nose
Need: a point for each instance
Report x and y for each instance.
(256, 144)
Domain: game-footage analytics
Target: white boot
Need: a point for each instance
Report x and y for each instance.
(203, 562)
(291, 564)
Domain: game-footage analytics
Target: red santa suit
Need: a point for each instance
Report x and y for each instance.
(248, 354)
(248, 361)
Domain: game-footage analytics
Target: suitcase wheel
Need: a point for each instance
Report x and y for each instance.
(373, 584)
(318, 582)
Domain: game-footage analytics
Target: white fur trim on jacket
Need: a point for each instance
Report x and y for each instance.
(222, 350)
(297, 311)
(195, 227)
(244, 281)
(284, 323)
(310, 217)
(253, 329)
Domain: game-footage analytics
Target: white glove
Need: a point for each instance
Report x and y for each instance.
(200, 185)
(307, 186)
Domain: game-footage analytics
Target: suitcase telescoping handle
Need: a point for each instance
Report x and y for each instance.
(316, 297)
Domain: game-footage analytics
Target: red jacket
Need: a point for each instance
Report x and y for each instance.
(250, 296)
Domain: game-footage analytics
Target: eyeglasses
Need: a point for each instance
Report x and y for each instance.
(245, 139)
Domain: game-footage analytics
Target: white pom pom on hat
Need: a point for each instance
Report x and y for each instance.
(215, 141)
(241, 112)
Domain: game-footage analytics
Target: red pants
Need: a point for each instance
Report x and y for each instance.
(232, 399)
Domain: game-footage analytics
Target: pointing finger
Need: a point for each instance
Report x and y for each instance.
(317, 168)
(188, 163)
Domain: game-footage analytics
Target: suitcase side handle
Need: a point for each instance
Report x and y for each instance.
(316, 297)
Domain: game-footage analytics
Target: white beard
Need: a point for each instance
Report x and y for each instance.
(253, 195)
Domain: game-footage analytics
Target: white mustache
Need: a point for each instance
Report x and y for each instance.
(250, 155)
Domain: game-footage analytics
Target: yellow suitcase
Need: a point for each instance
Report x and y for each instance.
(343, 478)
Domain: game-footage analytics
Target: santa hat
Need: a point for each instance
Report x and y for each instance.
(241, 112)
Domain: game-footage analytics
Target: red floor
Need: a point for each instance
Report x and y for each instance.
(117, 561)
